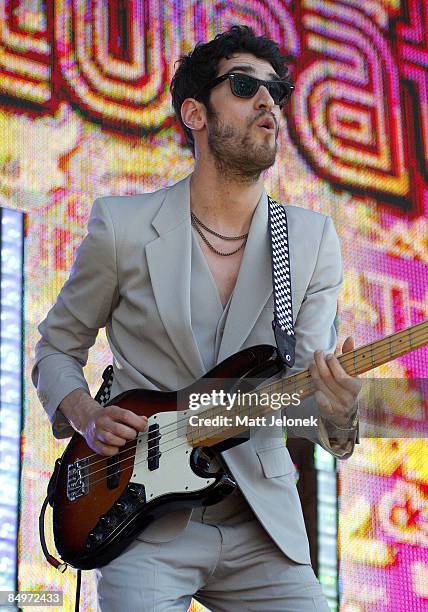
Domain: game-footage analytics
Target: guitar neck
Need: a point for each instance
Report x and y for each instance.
(354, 362)
(363, 359)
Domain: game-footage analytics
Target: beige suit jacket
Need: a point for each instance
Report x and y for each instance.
(132, 275)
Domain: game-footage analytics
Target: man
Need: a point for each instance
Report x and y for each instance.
(176, 301)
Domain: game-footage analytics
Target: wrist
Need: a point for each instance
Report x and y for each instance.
(78, 407)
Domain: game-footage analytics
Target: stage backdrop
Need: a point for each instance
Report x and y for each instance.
(85, 112)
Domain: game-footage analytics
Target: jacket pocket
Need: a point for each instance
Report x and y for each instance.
(275, 461)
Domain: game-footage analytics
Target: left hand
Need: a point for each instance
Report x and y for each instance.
(336, 391)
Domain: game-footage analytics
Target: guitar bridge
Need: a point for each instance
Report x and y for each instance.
(78, 479)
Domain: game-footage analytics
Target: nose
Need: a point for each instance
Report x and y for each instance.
(264, 99)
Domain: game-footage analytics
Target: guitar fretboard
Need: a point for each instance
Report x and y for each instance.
(354, 362)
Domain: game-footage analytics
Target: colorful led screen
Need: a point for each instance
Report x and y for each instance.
(85, 112)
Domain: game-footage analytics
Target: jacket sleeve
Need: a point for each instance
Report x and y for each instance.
(71, 326)
(315, 329)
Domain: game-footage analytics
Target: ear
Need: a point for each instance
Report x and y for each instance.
(193, 114)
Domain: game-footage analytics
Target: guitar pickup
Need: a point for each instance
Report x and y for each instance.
(153, 453)
(113, 471)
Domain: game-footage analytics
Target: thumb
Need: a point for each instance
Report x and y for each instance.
(348, 345)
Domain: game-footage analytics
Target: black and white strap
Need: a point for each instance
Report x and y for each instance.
(103, 395)
(282, 323)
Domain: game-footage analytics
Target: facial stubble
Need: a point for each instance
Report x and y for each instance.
(237, 155)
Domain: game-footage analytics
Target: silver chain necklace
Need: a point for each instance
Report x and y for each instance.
(197, 222)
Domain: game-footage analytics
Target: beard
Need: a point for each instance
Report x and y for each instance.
(237, 154)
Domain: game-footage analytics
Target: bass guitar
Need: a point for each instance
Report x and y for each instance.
(101, 503)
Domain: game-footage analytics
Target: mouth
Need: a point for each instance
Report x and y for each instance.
(267, 124)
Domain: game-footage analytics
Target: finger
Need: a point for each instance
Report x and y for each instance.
(103, 449)
(321, 386)
(325, 373)
(344, 387)
(110, 439)
(340, 401)
(350, 384)
(127, 417)
(348, 345)
(334, 401)
(118, 429)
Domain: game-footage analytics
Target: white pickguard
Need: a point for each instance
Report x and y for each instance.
(174, 474)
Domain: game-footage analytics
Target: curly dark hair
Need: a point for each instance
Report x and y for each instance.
(200, 66)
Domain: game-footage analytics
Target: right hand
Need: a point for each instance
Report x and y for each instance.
(107, 429)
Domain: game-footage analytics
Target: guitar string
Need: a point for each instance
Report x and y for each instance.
(133, 464)
(131, 448)
(287, 382)
(134, 444)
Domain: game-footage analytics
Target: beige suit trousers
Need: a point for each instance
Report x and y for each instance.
(224, 559)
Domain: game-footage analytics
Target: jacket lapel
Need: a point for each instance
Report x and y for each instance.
(253, 286)
(169, 260)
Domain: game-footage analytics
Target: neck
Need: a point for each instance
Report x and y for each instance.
(225, 203)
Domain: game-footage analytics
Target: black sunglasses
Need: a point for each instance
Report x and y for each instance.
(246, 86)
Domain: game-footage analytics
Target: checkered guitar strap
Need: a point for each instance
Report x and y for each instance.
(282, 323)
(103, 395)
